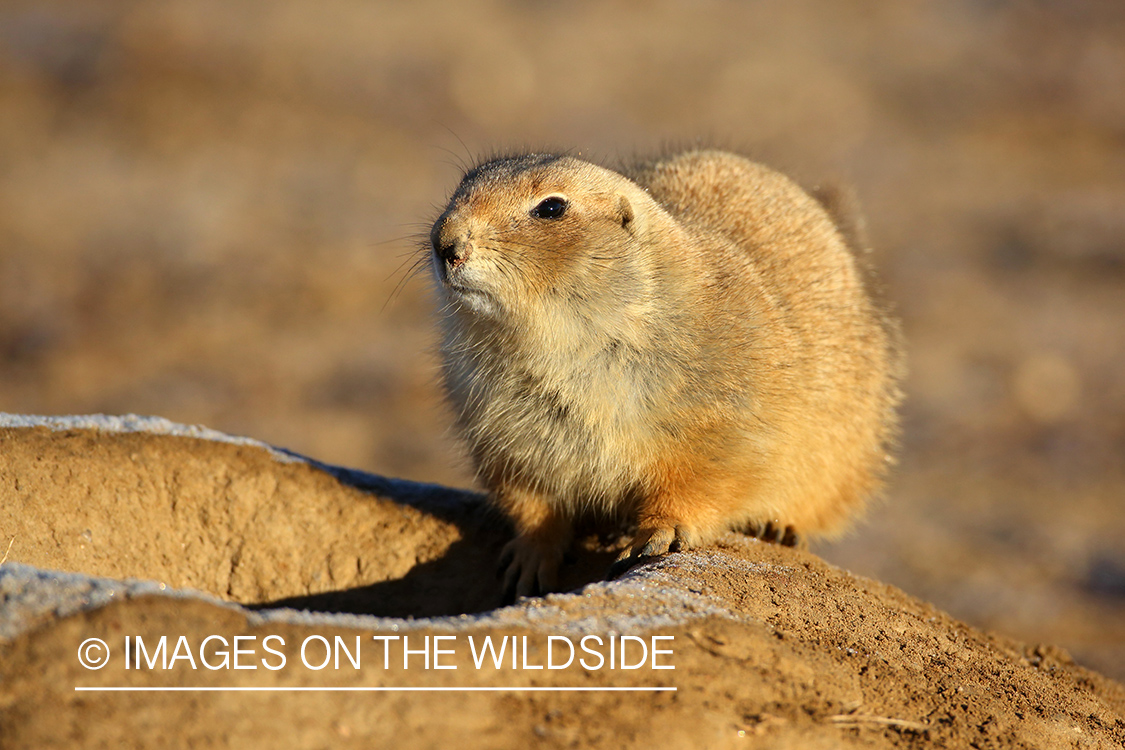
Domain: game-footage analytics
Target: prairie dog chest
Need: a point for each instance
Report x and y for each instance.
(584, 418)
(606, 393)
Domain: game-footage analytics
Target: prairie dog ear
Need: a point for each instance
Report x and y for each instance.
(625, 214)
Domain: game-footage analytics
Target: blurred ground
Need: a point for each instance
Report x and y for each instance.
(207, 212)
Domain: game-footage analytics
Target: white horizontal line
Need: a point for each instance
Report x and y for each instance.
(374, 689)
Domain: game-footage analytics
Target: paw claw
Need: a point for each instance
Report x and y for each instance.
(649, 543)
(775, 533)
(620, 567)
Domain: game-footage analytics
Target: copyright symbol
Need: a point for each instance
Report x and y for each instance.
(93, 653)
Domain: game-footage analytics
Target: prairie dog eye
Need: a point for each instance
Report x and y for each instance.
(550, 208)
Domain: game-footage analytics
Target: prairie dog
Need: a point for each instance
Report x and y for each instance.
(687, 345)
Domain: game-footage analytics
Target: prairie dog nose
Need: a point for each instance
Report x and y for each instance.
(449, 244)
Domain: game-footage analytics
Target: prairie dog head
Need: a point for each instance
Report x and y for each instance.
(526, 234)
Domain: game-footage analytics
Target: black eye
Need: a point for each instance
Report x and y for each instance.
(550, 208)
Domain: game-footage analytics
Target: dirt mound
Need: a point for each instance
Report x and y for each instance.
(771, 647)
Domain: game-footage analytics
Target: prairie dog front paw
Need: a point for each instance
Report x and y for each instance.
(530, 567)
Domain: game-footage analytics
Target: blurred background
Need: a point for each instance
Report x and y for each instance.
(209, 210)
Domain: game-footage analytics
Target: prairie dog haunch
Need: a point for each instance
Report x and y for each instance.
(687, 345)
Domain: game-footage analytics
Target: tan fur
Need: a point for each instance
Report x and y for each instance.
(690, 347)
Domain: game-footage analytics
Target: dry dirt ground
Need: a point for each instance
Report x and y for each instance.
(771, 647)
(209, 211)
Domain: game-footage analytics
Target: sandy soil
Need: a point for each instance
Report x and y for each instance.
(771, 647)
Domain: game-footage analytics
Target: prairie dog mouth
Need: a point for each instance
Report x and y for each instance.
(462, 289)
